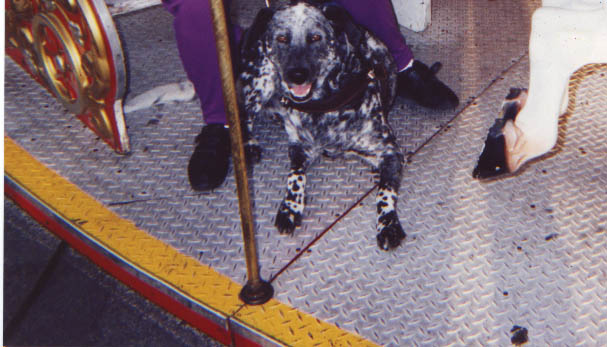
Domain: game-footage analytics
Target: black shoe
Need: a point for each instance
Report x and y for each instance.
(209, 163)
(420, 84)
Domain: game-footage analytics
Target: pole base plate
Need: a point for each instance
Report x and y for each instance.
(256, 295)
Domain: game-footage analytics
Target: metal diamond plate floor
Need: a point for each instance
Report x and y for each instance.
(479, 258)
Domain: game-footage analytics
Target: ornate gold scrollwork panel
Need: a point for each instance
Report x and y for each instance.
(72, 48)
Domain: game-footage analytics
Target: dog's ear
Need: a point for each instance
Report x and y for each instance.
(250, 38)
(343, 23)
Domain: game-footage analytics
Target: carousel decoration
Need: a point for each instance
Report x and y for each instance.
(72, 48)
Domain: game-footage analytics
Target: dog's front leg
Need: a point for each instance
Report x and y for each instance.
(390, 232)
(291, 209)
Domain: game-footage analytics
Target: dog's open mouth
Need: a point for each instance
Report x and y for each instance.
(300, 92)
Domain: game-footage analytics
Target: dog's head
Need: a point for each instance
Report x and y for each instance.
(310, 47)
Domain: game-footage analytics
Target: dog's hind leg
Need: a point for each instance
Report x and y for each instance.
(291, 208)
(389, 231)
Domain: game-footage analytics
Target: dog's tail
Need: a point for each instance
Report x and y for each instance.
(168, 93)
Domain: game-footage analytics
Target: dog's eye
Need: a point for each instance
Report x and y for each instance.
(314, 38)
(282, 39)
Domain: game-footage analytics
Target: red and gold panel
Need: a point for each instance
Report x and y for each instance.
(72, 48)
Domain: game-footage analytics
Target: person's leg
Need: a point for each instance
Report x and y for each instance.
(196, 44)
(195, 38)
(416, 80)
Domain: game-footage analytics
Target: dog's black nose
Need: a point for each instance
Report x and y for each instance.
(298, 75)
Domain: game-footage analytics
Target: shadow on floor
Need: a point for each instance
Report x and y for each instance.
(53, 296)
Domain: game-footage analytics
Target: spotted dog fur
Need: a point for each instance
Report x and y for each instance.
(332, 84)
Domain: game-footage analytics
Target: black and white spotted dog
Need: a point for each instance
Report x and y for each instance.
(332, 84)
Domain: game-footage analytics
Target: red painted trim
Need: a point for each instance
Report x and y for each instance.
(214, 330)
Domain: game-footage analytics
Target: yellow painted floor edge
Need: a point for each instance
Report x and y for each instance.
(194, 280)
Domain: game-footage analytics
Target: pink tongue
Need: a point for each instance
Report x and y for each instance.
(301, 90)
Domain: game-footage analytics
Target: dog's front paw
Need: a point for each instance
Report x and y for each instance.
(287, 219)
(390, 235)
(252, 153)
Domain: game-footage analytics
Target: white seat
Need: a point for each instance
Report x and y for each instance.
(413, 14)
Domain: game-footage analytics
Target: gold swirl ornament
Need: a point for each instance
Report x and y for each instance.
(72, 47)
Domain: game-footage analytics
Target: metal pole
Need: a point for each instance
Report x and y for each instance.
(256, 291)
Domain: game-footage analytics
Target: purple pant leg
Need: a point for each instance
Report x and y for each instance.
(196, 44)
(378, 16)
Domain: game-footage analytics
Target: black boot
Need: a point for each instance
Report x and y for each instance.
(420, 84)
(209, 163)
